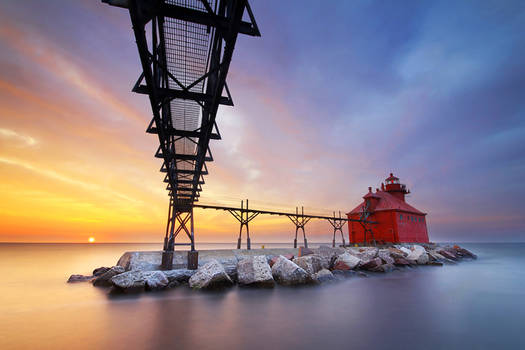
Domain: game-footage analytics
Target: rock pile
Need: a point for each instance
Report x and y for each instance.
(320, 265)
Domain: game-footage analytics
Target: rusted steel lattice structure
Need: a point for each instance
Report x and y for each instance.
(185, 49)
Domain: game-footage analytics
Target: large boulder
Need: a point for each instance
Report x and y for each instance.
(385, 255)
(136, 281)
(179, 275)
(371, 264)
(79, 278)
(448, 254)
(104, 280)
(383, 268)
(405, 250)
(255, 271)
(418, 254)
(465, 253)
(324, 276)
(396, 253)
(401, 262)
(210, 275)
(328, 255)
(155, 280)
(287, 272)
(311, 263)
(274, 259)
(346, 261)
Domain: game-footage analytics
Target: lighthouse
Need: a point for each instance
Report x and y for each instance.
(394, 220)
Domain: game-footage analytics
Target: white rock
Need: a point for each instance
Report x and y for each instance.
(311, 263)
(418, 254)
(287, 272)
(324, 276)
(255, 271)
(346, 261)
(405, 250)
(210, 275)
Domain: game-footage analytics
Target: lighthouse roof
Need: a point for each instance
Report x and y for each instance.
(387, 202)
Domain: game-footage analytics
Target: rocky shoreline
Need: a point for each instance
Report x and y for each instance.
(263, 268)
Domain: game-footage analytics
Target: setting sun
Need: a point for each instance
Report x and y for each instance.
(91, 239)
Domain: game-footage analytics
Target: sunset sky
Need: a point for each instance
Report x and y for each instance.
(333, 97)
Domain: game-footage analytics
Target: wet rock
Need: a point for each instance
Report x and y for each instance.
(465, 253)
(324, 276)
(155, 280)
(274, 259)
(405, 250)
(210, 275)
(104, 280)
(136, 281)
(287, 272)
(311, 263)
(173, 284)
(179, 275)
(371, 264)
(328, 255)
(346, 261)
(384, 268)
(401, 262)
(368, 253)
(100, 270)
(447, 254)
(384, 254)
(418, 254)
(435, 263)
(255, 271)
(79, 278)
(396, 253)
(129, 282)
(341, 274)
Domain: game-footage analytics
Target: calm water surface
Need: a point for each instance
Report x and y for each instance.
(474, 305)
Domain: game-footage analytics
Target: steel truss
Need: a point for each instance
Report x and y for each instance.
(337, 223)
(299, 220)
(245, 215)
(185, 63)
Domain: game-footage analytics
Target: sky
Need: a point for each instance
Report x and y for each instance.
(333, 97)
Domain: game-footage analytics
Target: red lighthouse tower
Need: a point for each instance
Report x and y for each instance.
(396, 220)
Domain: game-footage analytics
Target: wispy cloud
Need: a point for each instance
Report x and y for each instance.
(25, 140)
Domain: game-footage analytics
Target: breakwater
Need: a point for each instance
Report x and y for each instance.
(140, 271)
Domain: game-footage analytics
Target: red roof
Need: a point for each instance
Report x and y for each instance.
(387, 202)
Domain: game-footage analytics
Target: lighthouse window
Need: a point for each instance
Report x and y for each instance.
(400, 217)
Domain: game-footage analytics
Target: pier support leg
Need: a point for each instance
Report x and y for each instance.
(167, 260)
(179, 216)
(193, 260)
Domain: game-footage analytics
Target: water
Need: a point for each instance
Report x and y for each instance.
(474, 305)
